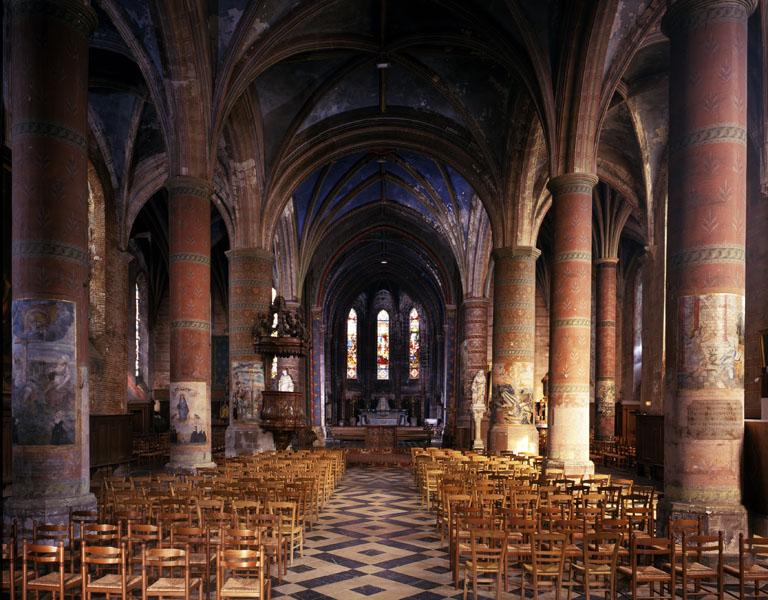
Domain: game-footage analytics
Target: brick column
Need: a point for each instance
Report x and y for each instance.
(50, 260)
(250, 293)
(570, 321)
(514, 343)
(605, 374)
(189, 219)
(704, 400)
(474, 358)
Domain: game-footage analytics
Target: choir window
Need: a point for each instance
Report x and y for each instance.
(414, 346)
(382, 345)
(352, 344)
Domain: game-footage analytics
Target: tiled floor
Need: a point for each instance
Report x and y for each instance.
(373, 541)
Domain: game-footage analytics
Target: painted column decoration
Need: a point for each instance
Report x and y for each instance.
(474, 358)
(189, 220)
(570, 322)
(605, 374)
(514, 343)
(704, 400)
(317, 366)
(449, 332)
(49, 313)
(250, 293)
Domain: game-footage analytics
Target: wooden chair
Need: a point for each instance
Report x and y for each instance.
(141, 535)
(596, 571)
(242, 574)
(701, 559)
(243, 512)
(289, 528)
(546, 566)
(112, 573)
(201, 560)
(488, 560)
(165, 573)
(11, 576)
(752, 567)
(53, 534)
(645, 553)
(44, 569)
(270, 536)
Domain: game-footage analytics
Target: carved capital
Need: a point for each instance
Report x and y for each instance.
(186, 185)
(572, 183)
(516, 252)
(683, 15)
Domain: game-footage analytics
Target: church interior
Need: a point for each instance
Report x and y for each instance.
(379, 299)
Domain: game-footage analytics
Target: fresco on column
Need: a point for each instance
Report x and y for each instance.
(189, 413)
(711, 341)
(44, 372)
(247, 386)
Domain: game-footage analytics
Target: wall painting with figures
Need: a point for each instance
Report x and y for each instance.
(44, 372)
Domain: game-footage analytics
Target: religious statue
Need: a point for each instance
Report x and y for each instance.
(478, 408)
(285, 383)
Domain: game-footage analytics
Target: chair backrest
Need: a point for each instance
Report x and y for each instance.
(42, 558)
(197, 538)
(547, 552)
(753, 550)
(677, 527)
(488, 547)
(244, 564)
(238, 538)
(701, 548)
(52, 532)
(646, 550)
(102, 556)
(101, 533)
(164, 562)
(602, 549)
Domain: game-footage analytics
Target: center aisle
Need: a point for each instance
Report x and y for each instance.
(373, 540)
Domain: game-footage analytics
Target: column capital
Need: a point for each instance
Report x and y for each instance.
(474, 301)
(72, 13)
(253, 253)
(572, 183)
(610, 261)
(516, 252)
(186, 185)
(691, 14)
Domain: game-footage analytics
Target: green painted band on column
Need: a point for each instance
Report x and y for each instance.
(574, 257)
(184, 185)
(716, 134)
(51, 130)
(515, 304)
(687, 15)
(709, 255)
(191, 324)
(49, 249)
(606, 323)
(192, 257)
(576, 322)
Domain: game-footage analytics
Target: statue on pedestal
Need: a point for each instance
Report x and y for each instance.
(478, 408)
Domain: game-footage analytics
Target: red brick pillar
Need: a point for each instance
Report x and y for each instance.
(49, 138)
(514, 344)
(605, 373)
(704, 400)
(189, 219)
(570, 322)
(250, 293)
(474, 358)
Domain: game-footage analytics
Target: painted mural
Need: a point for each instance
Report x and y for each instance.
(247, 385)
(711, 341)
(189, 410)
(44, 372)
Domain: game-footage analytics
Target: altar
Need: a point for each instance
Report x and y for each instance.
(383, 415)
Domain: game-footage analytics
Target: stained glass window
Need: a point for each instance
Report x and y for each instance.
(352, 344)
(414, 345)
(382, 345)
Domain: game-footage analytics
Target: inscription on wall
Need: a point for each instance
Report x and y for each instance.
(715, 420)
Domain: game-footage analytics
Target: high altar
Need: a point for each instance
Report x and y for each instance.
(383, 415)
